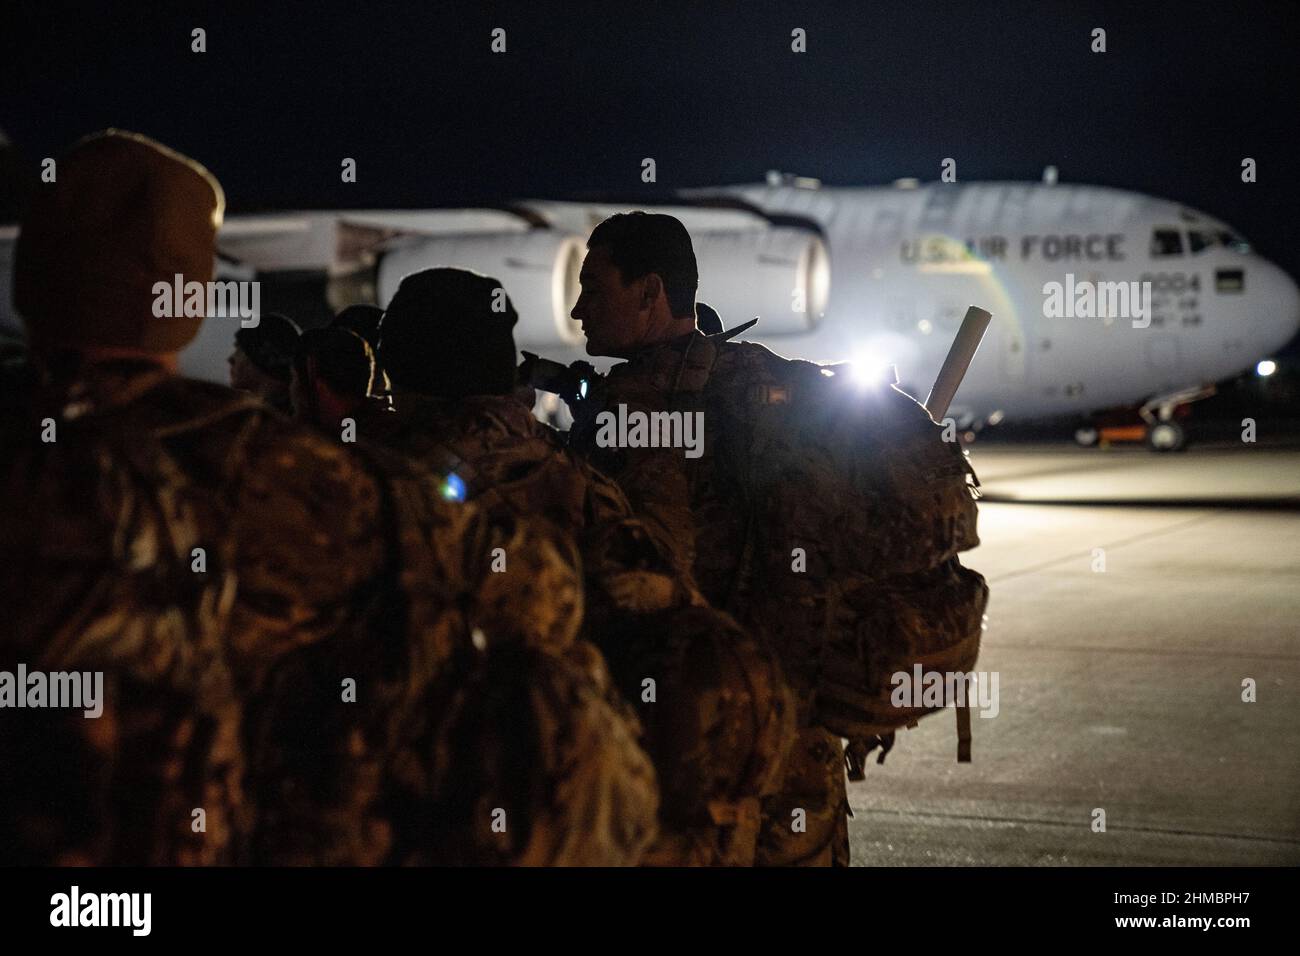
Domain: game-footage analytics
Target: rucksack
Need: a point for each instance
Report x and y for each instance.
(718, 725)
(529, 758)
(855, 512)
(99, 544)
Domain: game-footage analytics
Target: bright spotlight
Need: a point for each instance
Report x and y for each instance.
(870, 371)
(1266, 368)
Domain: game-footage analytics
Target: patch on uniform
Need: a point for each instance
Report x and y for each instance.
(768, 395)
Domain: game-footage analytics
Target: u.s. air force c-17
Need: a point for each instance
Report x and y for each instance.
(1100, 297)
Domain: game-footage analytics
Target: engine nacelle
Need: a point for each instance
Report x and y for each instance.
(538, 269)
(780, 274)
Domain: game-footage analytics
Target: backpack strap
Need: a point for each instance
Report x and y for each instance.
(857, 750)
(694, 379)
(963, 733)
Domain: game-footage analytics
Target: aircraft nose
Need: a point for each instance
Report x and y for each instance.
(1282, 302)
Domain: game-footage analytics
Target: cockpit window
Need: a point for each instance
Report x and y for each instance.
(1198, 240)
(1235, 243)
(1166, 242)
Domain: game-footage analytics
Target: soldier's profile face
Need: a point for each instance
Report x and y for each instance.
(608, 309)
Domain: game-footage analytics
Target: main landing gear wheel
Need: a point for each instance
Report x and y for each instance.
(1166, 436)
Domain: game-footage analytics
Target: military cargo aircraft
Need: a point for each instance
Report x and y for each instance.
(1101, 297)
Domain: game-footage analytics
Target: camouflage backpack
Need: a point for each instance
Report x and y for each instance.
(529, 758)
(855, 512)
(717, 729)
(98, 576)
(718, 718)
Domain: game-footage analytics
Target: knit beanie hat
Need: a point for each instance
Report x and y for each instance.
(447, 332)
(123, 214)
(271, 344)
(361, 319)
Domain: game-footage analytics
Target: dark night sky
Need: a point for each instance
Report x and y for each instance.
(710, 90)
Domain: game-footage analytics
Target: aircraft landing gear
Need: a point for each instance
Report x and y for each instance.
(1166, 436)
(1164, 433)
(1161, 422)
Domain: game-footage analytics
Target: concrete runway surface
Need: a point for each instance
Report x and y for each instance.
(1119, 689)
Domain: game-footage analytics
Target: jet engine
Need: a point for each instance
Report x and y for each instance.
(538, 269)
(781, 274)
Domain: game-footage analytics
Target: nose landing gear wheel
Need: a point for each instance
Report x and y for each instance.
(1166, 436)
(1086, 436)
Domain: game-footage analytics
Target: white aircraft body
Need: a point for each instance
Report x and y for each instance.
(871, 275)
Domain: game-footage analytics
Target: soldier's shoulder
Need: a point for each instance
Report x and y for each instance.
(627, 377)
(291, 459)
(751, 361)
(654, 372)
(606, 497)
(284, 472)
(499, 419)
(178, 404)
(311, 517)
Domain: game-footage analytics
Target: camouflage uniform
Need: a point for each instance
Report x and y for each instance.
(512, 464)
(224, 686)
(707, 735)
(283, 622)
(696, 508)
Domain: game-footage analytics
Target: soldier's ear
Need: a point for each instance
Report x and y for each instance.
(651, 290)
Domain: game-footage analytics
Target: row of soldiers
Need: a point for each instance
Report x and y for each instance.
(364, 608)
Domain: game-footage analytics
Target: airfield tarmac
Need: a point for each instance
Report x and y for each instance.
(1121, 688)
